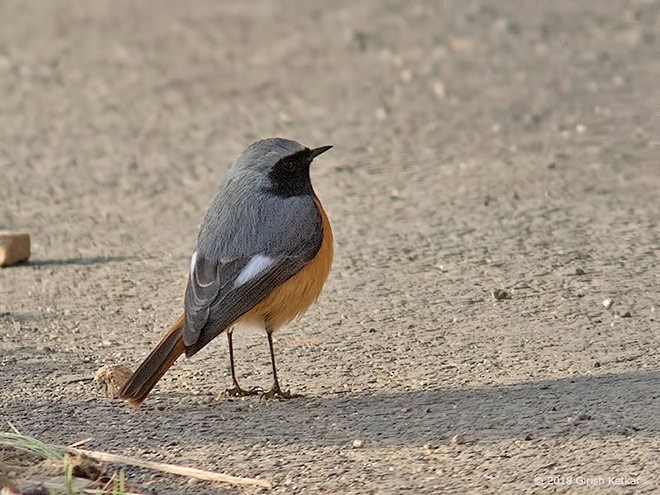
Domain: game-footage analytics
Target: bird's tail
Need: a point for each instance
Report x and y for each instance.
(154, 367)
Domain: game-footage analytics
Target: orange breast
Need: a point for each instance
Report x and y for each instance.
(291, 299)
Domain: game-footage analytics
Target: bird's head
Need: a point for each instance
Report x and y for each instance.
(281, 165)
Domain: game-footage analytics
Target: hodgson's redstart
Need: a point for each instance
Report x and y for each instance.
(263, 254)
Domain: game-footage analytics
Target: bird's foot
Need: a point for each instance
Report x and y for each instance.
(237, 391)
(277, 393)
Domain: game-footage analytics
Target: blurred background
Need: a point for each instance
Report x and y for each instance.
(479, 146)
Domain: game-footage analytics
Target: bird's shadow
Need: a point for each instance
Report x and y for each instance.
(625, 404)
(80, 261)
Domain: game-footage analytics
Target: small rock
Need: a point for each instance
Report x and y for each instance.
(361, 40)
(14, 248)
(579, 271)
(111, 378)
(500, 295)
(462, 45)
(608, 303)
(458, 439)
(626, 314)
(358, 444)
(33, 490)
(439, 89)
(597, 364)
(528, 437)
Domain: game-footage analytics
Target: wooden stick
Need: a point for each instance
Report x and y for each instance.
(80, 442)
(199, 474)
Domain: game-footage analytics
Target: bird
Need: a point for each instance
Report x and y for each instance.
(263, 254)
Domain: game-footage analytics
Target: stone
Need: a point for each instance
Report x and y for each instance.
(14, 247)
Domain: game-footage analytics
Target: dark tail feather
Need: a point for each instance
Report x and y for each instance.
(154, 367)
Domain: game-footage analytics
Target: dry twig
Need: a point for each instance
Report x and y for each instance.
(199, 474)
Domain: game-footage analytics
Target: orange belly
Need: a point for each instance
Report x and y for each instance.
(291, 299)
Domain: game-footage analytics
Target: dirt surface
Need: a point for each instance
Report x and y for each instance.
(478, 146)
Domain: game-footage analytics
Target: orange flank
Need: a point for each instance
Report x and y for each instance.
(291, 299)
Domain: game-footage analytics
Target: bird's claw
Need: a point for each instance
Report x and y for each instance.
(277, 393)
(237, 391)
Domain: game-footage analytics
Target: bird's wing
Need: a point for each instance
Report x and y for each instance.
(220, 292)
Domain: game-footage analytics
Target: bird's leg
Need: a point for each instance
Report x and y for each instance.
(236, 390)
(275, 390)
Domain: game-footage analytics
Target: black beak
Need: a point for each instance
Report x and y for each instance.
(317, 151)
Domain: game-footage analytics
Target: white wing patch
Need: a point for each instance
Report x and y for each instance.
(193, 261)
(255, 266)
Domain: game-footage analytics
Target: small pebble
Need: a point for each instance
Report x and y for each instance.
(528, 437)
(31, 490)
(358, 444)
(626, 315)
(608, 303)
(428, 449)
(381, 113)
(458, 439)
(439, 90)
(500, 295)
(579, 271)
